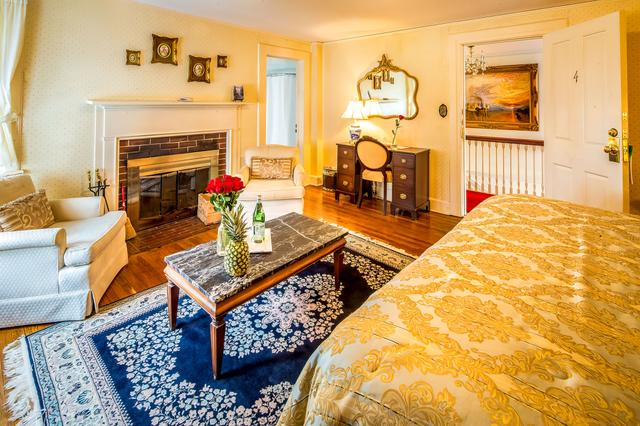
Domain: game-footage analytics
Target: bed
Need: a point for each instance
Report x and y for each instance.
(528, 312)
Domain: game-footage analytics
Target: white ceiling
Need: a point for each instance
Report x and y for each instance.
(328, 20)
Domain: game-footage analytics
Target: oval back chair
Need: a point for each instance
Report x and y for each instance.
(374, 159)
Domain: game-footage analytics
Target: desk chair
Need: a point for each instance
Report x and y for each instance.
(374, 158)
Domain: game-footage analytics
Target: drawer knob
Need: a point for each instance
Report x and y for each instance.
(403, 160)
(345, 183)
(345, 152)
(345, 166)
(403, 176)
(403, 196)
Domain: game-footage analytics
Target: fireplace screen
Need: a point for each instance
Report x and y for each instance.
(164, 190)
(164, 193)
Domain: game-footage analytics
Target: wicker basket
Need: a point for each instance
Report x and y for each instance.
(206, 212)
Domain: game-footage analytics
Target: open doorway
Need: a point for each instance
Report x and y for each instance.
(282, 102)
(272, 57)
(503, 146)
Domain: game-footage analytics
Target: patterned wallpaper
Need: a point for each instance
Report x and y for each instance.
(75, 50)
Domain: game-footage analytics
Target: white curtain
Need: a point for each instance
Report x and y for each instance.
(281, 109)
(12, 14)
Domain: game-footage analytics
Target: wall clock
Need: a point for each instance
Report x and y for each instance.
(199, 69)
(165, 50)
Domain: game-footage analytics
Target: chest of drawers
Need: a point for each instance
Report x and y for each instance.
(410, 183)
(348, 173)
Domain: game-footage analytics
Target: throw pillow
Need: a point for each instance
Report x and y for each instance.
(271, 168)
(31, 211)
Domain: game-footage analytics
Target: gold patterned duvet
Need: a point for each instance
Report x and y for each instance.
(528, 312)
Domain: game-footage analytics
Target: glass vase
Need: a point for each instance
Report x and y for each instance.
(221, 241)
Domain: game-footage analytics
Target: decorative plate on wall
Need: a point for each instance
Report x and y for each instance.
(133, 57)
(165, 50)
(199, 69)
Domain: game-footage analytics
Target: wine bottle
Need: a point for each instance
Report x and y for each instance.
(258, 222)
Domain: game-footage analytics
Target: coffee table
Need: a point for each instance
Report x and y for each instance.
(298, 242)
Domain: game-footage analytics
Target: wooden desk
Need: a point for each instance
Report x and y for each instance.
(410, 177)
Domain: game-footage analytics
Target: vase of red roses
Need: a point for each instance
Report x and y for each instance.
(224, 191)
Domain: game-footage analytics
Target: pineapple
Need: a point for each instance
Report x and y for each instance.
(236, 256)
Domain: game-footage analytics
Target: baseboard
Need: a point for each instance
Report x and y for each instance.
(440, 206)
(312, 180)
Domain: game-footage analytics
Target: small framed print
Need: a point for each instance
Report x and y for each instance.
(238, 93)
(134, 57)
(199, 69)
(165, 50)
(443, 110)
(377, 82)
(222, 61)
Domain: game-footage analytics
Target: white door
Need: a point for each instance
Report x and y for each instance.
(585, 87)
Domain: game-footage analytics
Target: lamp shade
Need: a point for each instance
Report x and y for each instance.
(372, 107)
(355, 111)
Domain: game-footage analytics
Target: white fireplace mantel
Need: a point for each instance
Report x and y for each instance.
(136, 118)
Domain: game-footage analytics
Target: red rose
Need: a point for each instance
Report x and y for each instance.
(238, 185)
(218, 187)
(401, 117)
(211, 186)
(227, 186)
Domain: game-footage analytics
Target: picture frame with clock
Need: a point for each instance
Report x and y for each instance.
(165, 50)
(199, 69)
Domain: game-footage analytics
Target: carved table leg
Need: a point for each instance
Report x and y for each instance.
(173, 292)
(338, 257)
(216, 331)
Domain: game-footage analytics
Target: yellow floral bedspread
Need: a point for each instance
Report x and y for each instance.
(528, 312)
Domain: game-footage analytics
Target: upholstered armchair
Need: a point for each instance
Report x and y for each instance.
(279, 196)
(61, 272)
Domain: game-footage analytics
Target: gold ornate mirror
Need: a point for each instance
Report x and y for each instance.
(389, 91)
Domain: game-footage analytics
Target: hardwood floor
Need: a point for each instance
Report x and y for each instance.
(145, 269)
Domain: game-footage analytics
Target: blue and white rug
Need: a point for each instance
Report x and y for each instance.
(125, 367)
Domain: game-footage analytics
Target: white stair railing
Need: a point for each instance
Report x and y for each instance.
(496, 165)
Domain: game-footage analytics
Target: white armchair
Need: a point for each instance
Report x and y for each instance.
(58, 273)
(279, 196)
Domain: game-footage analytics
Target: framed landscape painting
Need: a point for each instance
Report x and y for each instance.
(503, 97)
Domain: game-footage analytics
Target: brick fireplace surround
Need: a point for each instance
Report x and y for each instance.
(130, 149)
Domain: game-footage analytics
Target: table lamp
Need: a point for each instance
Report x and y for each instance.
(355, 111)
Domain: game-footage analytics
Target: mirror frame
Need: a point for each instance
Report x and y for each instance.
(385, 64)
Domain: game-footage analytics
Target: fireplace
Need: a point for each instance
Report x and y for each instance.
(160, 177)
(166, 188)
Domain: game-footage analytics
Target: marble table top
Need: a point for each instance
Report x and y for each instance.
(293, 237)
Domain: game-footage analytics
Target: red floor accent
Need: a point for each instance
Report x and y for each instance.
(474, 198)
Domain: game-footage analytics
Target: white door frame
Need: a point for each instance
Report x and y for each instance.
(457, 44)
(303, 78)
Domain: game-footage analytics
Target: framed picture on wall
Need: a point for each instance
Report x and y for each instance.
(165, 50)
(503, 97)
(199, 69)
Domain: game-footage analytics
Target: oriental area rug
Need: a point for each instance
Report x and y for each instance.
(124, 366)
